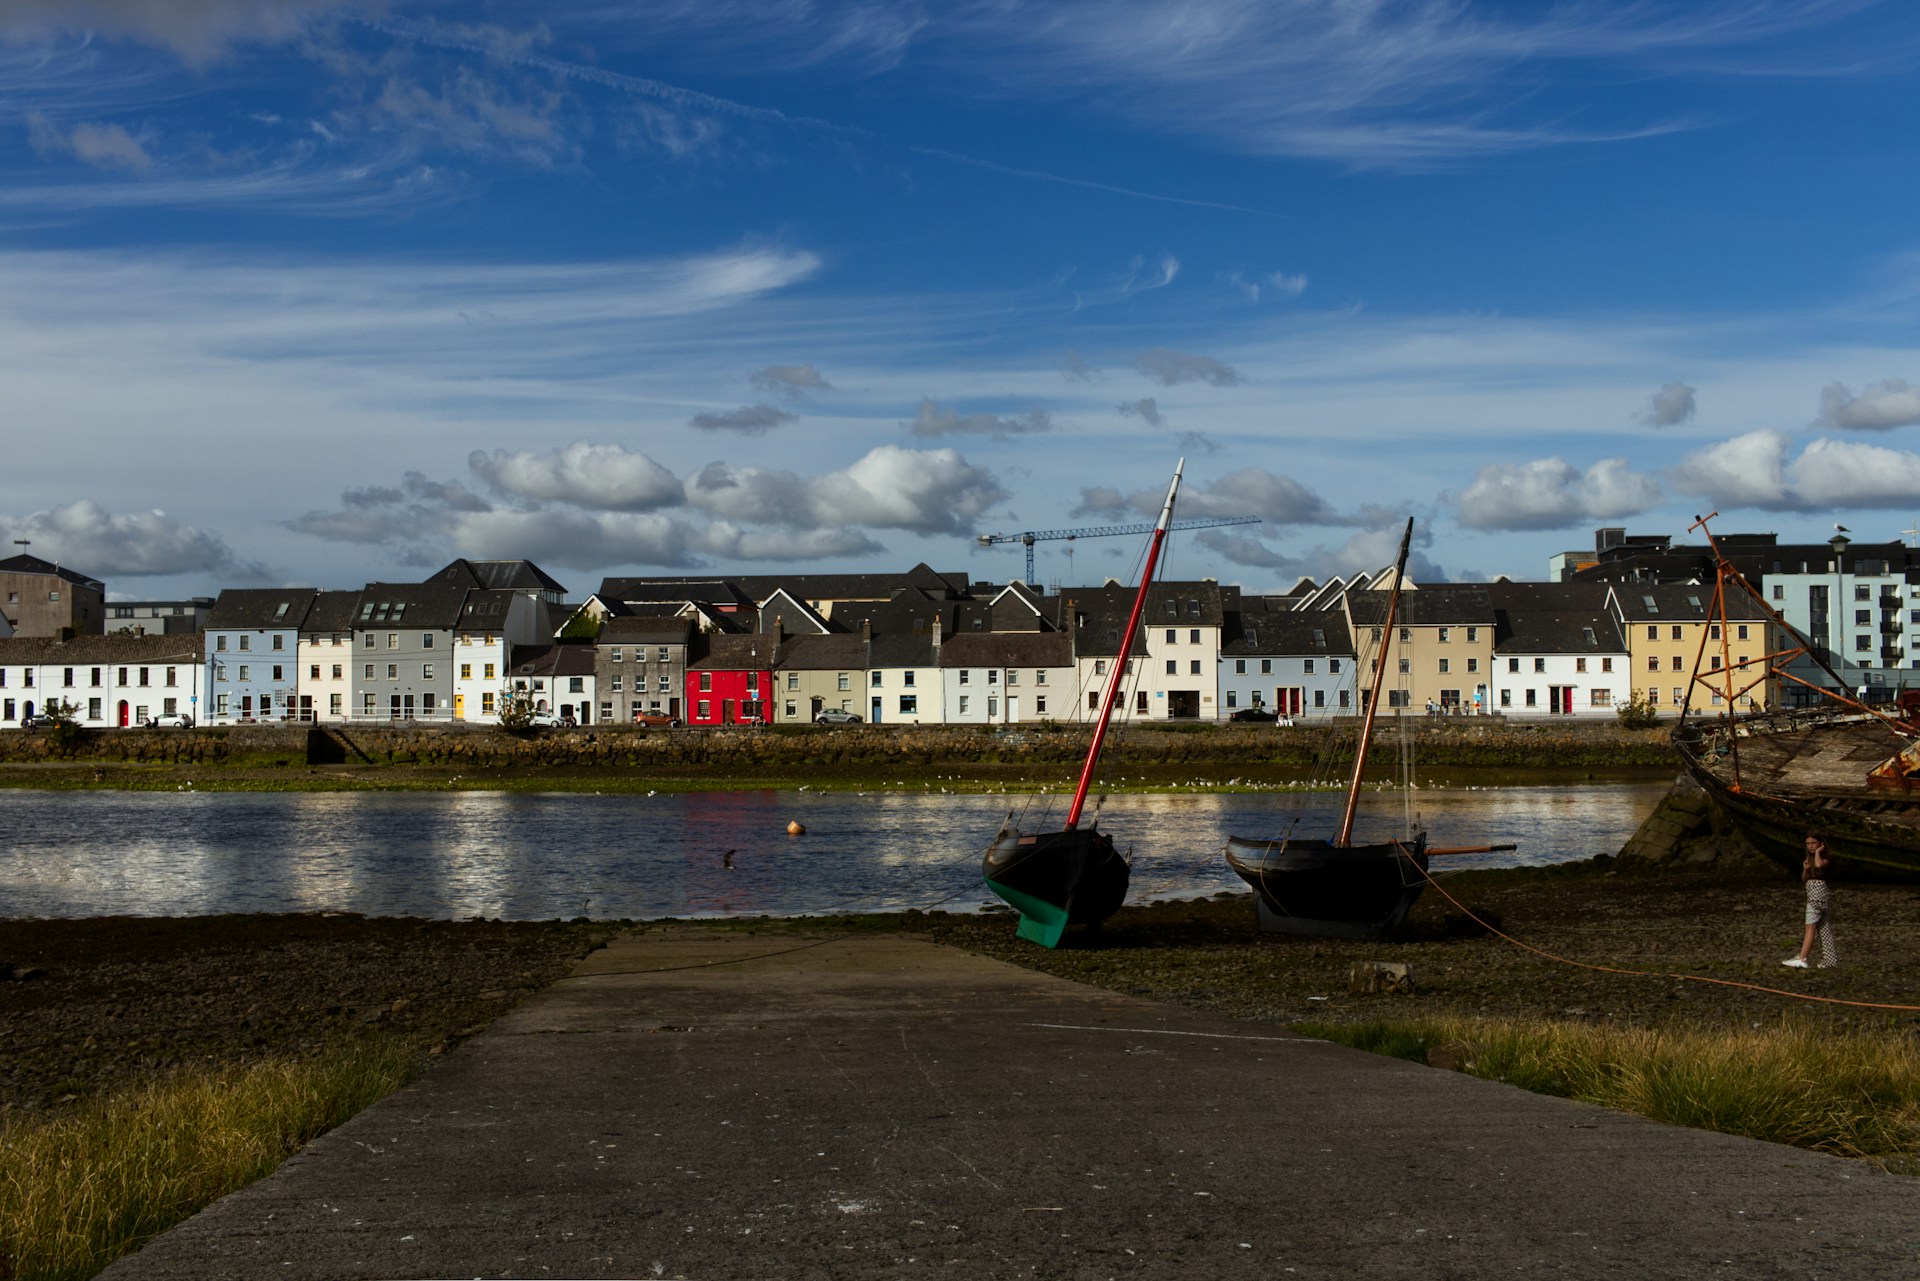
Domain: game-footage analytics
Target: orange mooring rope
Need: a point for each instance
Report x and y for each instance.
(1652, 974)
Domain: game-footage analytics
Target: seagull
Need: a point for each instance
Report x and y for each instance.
(1843, 529)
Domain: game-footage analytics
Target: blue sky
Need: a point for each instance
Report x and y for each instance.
(325, 292)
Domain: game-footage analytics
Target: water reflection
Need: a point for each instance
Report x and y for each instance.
(531, 857)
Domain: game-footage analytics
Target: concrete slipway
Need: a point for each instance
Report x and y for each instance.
(701, 1104)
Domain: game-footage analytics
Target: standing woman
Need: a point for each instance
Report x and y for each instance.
(1814, 870)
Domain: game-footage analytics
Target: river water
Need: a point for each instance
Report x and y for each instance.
(456, 855)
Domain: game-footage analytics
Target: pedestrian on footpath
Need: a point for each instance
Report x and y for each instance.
(1814, 870)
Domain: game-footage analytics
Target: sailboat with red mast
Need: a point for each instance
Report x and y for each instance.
(1075, 876)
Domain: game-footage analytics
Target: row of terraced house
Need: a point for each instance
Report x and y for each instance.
(920, 647)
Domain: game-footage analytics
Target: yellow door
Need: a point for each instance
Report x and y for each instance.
(459, 707)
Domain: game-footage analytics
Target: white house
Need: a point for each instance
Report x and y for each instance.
(1558, 651)
(1008, 678)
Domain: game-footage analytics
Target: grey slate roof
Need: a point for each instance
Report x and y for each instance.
(330, 613)
(25, 564)
(735, 653)
(261, 609)
(1271, 626)
(645, 629)
(1097, 615)
(486, 611)
(518, 576)
(1554, 618)
(418, 605)
(823, 653)
(1441, 604)
(108, 649)
(1008, 649)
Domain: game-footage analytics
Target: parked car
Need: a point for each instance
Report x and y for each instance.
(657, 719)
(176, 721)
(1252, 714)
(39, 720)
(836, 716)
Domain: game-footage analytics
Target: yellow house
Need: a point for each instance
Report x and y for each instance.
(1671, 626)
(1443, 655)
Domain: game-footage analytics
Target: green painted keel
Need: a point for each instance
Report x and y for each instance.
(1040, 921)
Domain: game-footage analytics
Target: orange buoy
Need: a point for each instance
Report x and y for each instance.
(795, 828)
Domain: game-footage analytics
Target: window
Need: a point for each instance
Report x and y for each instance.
(618, 654)
(1266, 667)
(706, 684)
(278, 673)
(95, 677)
(1740, 633)
(1193, 667)
(966, 674)
(93, 709)
(874, 680)
(1446, 634)
(1099, 667)
(909, 704)
(1473, 664)
(1580, 663)
(606, 712)
(1193, 636)
(171, 681)
(426, 674)
(792, 712)
(1539, 664)
(313, 671)
(1653, 662)
(488, 671)
(575, 684)
(1606, 663)
(1093, 701)
(1473, 635)
(1653, 696)
(1173, 666)
(243, 672)
(1346, 698)
(664, 655)
(1040, 705)
(664, 685)
(466, 673)
(1861, 618)
(1653, 631)
(1406, 664)
(906, 678)
(393, 671)
(1309, 667)
(279, 641)
(1676, 631)
(1172, 636)
(1140, 701)
(426, 640)
(246, 642)
(1319, 698)
(1533, 698)
(1600, 698)
(1039, 676)
(1444, 667)
(1779, 592)
(793, 680)
(393, 640)
(705, 711)
(1333, 665)
(1233, 699)
(963, 704)
(616, 686)
(1406, 634)
(1506, 698)
(993, 676)
(67, 680)
(1862, 592)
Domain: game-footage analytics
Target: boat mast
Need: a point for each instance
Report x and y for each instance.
(1379, 679)
(1117, 676)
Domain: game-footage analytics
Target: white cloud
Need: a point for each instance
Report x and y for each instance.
(104, 146)
(1746, 471)
(1551, 493)
(1098, 500)
(1276, 499)
(1251, 286)
(198, 31)
(790, 380)
(748, 420)
(934, 419)
(606, 477)
(1847, 473)
(1170, 368)
(928, 491)
(1880, 406)
(1672, 405)
(1148, 410)
(85, 536)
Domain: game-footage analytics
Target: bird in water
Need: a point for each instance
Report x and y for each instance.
(726, 860)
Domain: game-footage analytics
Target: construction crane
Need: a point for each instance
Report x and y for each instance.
(1029, 537)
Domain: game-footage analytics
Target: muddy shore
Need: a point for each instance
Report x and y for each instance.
(93, 1005)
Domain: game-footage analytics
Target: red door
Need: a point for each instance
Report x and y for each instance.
(123, 713)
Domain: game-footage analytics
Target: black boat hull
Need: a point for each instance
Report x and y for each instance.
(1317, 889)
(1874, 832)
(1057, 879)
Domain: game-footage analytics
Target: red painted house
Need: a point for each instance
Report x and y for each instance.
(731, 680)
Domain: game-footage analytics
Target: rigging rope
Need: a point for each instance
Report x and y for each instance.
(1657, 974)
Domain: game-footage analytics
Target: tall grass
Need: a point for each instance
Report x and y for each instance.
(1851, 1093)
(80, 1190)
